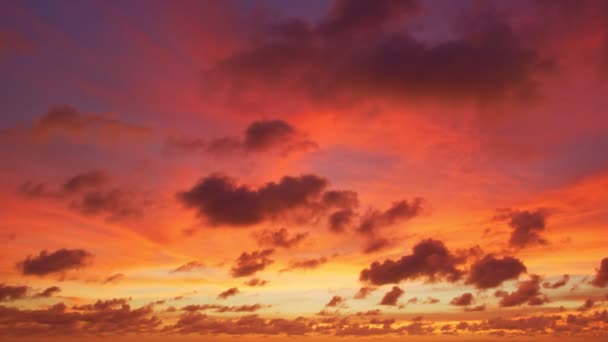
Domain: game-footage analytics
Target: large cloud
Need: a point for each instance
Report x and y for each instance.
(490, 271)
(58, 261)
(222, 202)
(430, 260)
(339, 62)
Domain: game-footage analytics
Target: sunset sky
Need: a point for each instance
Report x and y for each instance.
(350, 170)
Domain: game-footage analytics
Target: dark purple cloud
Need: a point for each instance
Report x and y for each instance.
(430, 260)
(490, 271)
(527, 292)
(222, 202)
(55, 262)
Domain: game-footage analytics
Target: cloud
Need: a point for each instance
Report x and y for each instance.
(305, 264)
(336, 301)
(90, 179)
(58, 261)
(233, 291)
(430, 259)
(223, 308)
(279, 238)
(527, 226)
(259, 137)
(250, 263)
(194, 322)
(66, 120)
(188, 267)
(256, 282)
(601, 278)
(114, 278)
(364, 292)
(392, 296)
(556, 285)
(490, 271)
(587, 305)
(340, 220)
(48, 292)
(481, 307)
(88, 195)
(10, 293)
(338, 63)
(527, 292)
(465, 299)
(398, 212)
(222, 202)
(110, 317)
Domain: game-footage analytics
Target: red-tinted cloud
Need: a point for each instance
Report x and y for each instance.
(233, 291)
(222, 202)
(9, 293)
(392, 296)
(463, 300)
(527, 292)
(55, 262)
(601, 278)
(279, 238)
(430, 260)
(250, 263)
(490, 271)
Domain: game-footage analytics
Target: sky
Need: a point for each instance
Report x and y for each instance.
(348, 170)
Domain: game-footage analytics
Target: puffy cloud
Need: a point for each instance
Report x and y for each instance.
(338, 63)
(601, 278)
(588, 304)
(65, 119)
(9, 293)
(430, 259)
(527, 226)
(55, 262)
(189, 266)
(305, 264)
(556, 285)
(398, 212)
(222, 202)
(250, 263)
(392, 296)
(527, 292)
(88, 194)
(279, 238)
(335, 301)
(364, 292)
(256, 282)
(259, 136)
(194, 322)
(490, 271)
(463, 300)
(340, 220)
(233, 291)
(103, 317)
(48, 292)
